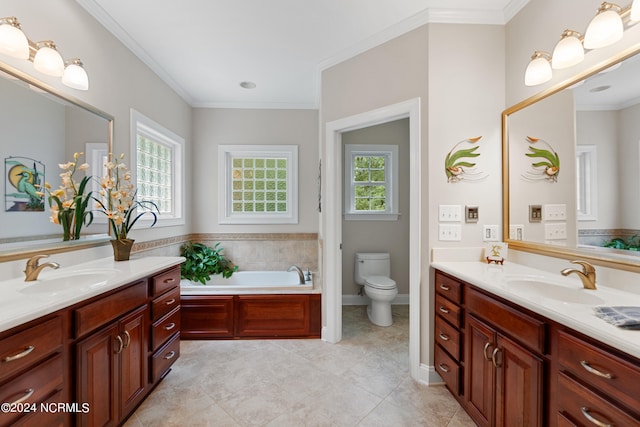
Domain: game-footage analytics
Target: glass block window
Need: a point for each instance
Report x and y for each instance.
(260, 184)
(370, 181)
(158, 154)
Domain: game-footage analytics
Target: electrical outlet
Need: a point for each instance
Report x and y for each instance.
(490, 233)
(450, 213)
(555, 231)
(535, 213)
(516, 232)
(449, 232)
(554, 212)
(471, 213)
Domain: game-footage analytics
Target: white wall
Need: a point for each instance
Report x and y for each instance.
(218, 126)
(629, 156)
(118, 80)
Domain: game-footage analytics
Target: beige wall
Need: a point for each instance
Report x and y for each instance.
(118, 80)
(380, 236)
(218, 126)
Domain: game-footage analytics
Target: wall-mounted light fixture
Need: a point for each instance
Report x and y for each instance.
(606, 28)
(44, 55)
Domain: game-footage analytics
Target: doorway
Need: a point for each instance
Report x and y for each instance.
(332, 230)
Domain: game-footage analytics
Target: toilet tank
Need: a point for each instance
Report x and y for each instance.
(371, 264)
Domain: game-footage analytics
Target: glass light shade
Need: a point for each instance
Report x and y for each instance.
(568, 52)
(538, 71)
(75, 76)
(604, 29)
(635, 11)
(48, 61)
(13, 42)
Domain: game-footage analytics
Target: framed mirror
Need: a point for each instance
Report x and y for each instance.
(41, 129)
(571, 174)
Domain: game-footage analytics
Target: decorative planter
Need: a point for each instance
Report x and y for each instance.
(122, 249)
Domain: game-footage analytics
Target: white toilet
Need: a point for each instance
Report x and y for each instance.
(373, 270)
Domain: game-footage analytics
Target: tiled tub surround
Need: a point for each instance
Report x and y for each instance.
(495, 279)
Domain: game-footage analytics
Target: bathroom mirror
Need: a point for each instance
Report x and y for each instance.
(42, 128)
(571, 171)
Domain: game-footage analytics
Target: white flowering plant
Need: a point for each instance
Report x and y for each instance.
(119, 199)
(69, 203)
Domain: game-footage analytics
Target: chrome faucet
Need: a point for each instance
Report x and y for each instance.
(587, 274)
(300, 273)
(33, 267)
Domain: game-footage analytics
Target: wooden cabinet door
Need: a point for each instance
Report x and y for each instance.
(133, 359)
(98, 381)
(519, 385)
(479, 371)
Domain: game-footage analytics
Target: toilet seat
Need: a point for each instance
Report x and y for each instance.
(380, 282)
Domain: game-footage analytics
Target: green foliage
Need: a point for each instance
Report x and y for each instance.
(202, 261)
(618, 243)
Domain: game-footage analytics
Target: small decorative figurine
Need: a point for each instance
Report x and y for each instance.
(496, 252)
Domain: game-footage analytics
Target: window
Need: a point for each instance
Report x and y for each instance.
(587, 185)
(371, 182)
(158, 155)
(260, 184)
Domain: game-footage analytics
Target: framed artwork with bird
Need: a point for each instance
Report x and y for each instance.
(23, 187)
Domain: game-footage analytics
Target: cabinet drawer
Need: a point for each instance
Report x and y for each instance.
(528, 330)
(24, 348)
(448, 337)
(165, 303)
(448, 310)
(448, 287)
(50, 418)
(164, 328)
(104, 310)
(32, 387)
(606, 372)
(164, 358)
(587, 408)
(448, 369)
(165, 281)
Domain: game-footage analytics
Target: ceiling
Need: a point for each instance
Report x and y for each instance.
(204, 49)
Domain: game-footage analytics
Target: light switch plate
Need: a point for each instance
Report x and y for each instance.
(516, 232)
(555, 231)
(471, 213)
(535, 213)
(554, 212)
(450, 213)
(449, 232)
(490, 233)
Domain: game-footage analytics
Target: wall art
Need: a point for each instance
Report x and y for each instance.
(547, 166)
(456, 165)
(24, 178)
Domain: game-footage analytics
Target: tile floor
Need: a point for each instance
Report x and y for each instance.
(362, 381)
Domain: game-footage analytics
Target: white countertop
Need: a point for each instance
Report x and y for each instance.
(21, 301)
(580, 317)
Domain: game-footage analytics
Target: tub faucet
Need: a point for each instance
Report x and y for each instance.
(33, 268)
(587, 274)
(300, 273)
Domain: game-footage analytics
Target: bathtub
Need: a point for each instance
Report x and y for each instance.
(248, 282)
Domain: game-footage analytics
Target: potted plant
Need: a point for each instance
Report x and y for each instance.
(69, 202)
(120, 204)
(202, 261)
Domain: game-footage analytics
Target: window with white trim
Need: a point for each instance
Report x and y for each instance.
(371, 182)
(259, 184)
(158, 156)
(587, 182)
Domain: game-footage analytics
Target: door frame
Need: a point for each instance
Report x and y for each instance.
(332, 210)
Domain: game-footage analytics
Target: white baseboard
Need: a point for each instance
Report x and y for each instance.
(428, 375)
(401, 299)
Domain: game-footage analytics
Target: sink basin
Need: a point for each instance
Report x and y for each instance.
(539, 287)
(69, 282)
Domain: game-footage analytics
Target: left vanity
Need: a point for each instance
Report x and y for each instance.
(85, 345)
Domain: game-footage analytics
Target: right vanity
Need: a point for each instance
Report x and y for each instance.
(521, 345)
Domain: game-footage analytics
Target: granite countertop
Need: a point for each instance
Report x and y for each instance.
(21, 301)
(578, 316)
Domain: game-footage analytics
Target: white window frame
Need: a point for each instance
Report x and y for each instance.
(390, 152)
(141, 124)
(587, 176)
(226, 153)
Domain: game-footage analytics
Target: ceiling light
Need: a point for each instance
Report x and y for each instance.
(75, 75)
(13, 42)
(247, 85)
(605, 28)
(600, 88)
(539, 69)
(47, 60)
(568, 52)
